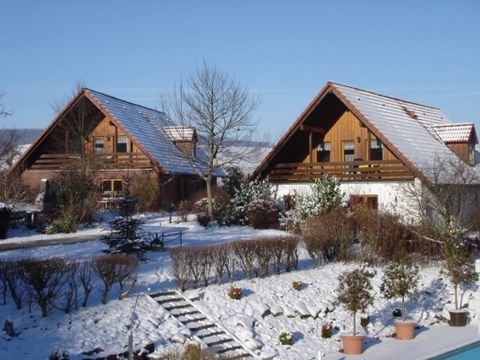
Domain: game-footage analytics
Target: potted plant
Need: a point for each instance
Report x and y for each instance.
(459, 267)
(400, 280)
(354, 291)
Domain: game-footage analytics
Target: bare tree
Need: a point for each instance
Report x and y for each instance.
(221, 110)
(3, 111)
(445, 204)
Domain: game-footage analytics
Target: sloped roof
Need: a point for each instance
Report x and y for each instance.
(453, 133)
(145, 125)
(404, 126)
(180, 133)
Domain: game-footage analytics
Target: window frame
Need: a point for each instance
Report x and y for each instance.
(117, 142)
(324, 145)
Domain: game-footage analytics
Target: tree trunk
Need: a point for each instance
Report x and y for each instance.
(354, 323)
(403, 308)
(210, 196)
(456, 301)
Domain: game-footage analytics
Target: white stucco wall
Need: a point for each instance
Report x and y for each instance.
(392, 196)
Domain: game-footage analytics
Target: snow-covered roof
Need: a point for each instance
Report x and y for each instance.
(450, 133)
(405, 124)
(180, 133)
(406, 127)
(147, 127)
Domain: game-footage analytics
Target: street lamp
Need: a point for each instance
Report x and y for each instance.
(130, 335)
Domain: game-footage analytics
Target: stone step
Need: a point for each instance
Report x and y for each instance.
(203, 336)
(184, 306)
(165, 293)
(219, 342)
(193, 320)
(226, 349)
(186, 313)
(170, 300)
(207, 326)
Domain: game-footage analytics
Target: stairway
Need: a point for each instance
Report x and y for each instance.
(213, 335)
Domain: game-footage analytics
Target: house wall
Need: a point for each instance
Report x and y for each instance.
(109, 132)
(392, 196)
(347, 128)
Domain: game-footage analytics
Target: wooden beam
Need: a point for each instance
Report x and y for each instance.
(313, 129)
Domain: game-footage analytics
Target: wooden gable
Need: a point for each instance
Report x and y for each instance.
(82, 119)
(329, 120)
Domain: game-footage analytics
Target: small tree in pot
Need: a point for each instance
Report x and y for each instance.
(459, 267)
(354, 291)
(400, 280)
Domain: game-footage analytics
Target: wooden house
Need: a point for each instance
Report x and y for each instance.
(117, 141)
(374, 144)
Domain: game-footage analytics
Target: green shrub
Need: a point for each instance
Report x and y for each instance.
(286, 338)
(327, 330)
(64, 224)
(297, 285)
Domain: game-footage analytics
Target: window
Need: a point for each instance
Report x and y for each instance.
(112, 188)
(323, 152)
(370, 201)
(99, 145)
(122, 144)
(376, 150)
(348, 151)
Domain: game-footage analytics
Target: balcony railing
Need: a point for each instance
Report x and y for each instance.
(98, 161)
(383, 170)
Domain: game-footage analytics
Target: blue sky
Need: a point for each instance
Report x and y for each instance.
(284, 51)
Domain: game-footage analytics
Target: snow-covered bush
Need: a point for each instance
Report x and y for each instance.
(262, 213)
(328, 236)
(324, 194)
(286, 338)
(44, 279)
(85, 272)
(400, 280)
(458, 265)
(235, 293)
(246, 194)
(221, 258)
(11, 282)
(354, 291)
(383, 237)
(180, 268)
(117, 268)
(244, 251)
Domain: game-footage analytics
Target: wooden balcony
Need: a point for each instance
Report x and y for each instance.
(102, 162)
(383, 170)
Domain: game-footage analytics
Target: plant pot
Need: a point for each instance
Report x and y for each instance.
(458, 317)
(405, 330)
(353, 345)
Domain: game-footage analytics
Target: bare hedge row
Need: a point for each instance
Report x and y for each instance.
(195, 265)
(59, 283)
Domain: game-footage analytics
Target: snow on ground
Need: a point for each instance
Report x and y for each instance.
(301, 312)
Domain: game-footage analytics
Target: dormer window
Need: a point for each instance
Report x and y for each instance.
(99, 145)
(323, 152)
(122, 144)
(376, 150)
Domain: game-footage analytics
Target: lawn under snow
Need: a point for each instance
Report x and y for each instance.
(301, 312)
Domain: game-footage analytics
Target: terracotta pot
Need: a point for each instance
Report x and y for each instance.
(458, 317)
(353, 345)
(405, 330)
